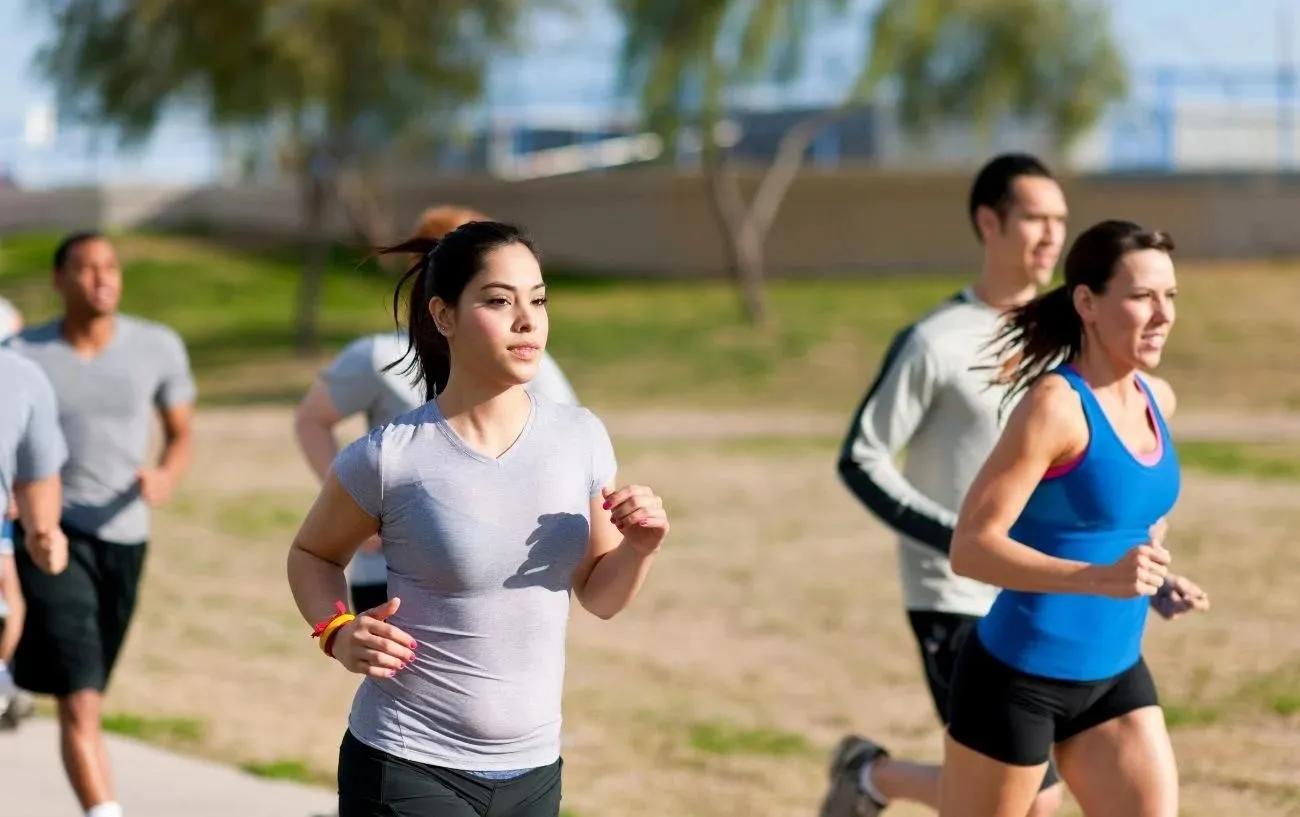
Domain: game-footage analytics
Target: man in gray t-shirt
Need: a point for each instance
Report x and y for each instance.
(111, 373)
(32, 451)
(359, 382)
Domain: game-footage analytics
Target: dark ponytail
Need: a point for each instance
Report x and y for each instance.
(431, 363)
(1035, 337)
(1048, 331)
(442, 269)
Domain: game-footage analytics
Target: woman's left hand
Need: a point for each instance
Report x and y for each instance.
(639, 515)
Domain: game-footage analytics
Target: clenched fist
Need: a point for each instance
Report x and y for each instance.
(639, 514)
(1140, 572)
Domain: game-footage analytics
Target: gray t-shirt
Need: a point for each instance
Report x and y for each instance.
(358, 384)
(31, 443)
(481, 552)
(932, 397)
(106, 407)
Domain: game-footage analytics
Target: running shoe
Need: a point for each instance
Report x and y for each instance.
(845, 797)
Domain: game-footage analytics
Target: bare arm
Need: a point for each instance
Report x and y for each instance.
(324, 545)
(40, 505)
(614, 570)
(178, 440)
(1045, 429)
(157, 483)
(13, 596)
(313, 427)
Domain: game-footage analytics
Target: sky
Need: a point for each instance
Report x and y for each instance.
(573, 64)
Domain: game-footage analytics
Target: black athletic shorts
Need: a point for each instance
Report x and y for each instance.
(368, 596)
(940, 637)
(376, 784)
(76, 621)
(1015, 718)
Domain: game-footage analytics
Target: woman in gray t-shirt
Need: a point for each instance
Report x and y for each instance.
(495, 505)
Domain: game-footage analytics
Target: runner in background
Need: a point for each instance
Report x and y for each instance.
(113, 375)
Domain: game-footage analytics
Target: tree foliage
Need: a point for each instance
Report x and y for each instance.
(339, 80)
(1049, 61)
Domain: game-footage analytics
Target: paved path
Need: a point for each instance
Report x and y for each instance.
(150, 782)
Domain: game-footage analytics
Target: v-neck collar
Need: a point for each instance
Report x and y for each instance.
(454, 437)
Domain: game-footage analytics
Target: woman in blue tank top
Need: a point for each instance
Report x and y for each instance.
(1067, 516)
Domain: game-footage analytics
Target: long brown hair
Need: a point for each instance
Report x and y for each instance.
(1047, 331)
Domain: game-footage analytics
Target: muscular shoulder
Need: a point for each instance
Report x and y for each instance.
(1052, 413)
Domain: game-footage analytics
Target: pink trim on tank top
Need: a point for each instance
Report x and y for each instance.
(1147, 458)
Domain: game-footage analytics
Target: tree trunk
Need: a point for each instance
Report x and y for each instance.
(746, 224)
(315, 262)
(748, 260)
(742, 245)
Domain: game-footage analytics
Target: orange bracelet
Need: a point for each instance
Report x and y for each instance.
(327, 629)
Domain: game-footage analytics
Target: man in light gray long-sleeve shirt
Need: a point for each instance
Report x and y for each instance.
(933, 397)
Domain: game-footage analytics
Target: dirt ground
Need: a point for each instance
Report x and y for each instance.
(772, 624)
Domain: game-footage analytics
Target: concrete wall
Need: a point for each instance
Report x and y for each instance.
(661, 222)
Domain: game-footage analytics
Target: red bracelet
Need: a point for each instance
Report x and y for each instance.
(328, 628)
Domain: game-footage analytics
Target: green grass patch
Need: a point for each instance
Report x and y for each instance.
(620, 341)
(1255, 460)
(167, 731)
(297, 771)
(725, 739)
(1179, 715)
(638, 342)
(1276, 692)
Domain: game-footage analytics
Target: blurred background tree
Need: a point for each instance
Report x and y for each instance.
(335, 82)
(1052, 61)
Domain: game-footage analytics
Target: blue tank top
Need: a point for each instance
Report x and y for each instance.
(1094, 511)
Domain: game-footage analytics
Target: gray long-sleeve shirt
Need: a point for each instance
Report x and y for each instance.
(930, 399)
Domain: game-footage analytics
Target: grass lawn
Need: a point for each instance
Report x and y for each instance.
(627, 343)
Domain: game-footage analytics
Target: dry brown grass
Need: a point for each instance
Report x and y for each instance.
(772, 624)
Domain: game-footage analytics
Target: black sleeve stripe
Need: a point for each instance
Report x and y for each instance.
(901, 517)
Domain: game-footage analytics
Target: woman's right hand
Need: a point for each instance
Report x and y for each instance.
(369, 645)
(1140, 572)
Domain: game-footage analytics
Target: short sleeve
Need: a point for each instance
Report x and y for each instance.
(176, 386)
(603, 463)
(354, 385)
(42, 450)
(358, 470)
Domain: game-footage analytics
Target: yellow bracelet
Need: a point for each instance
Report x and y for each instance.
(327, 635)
